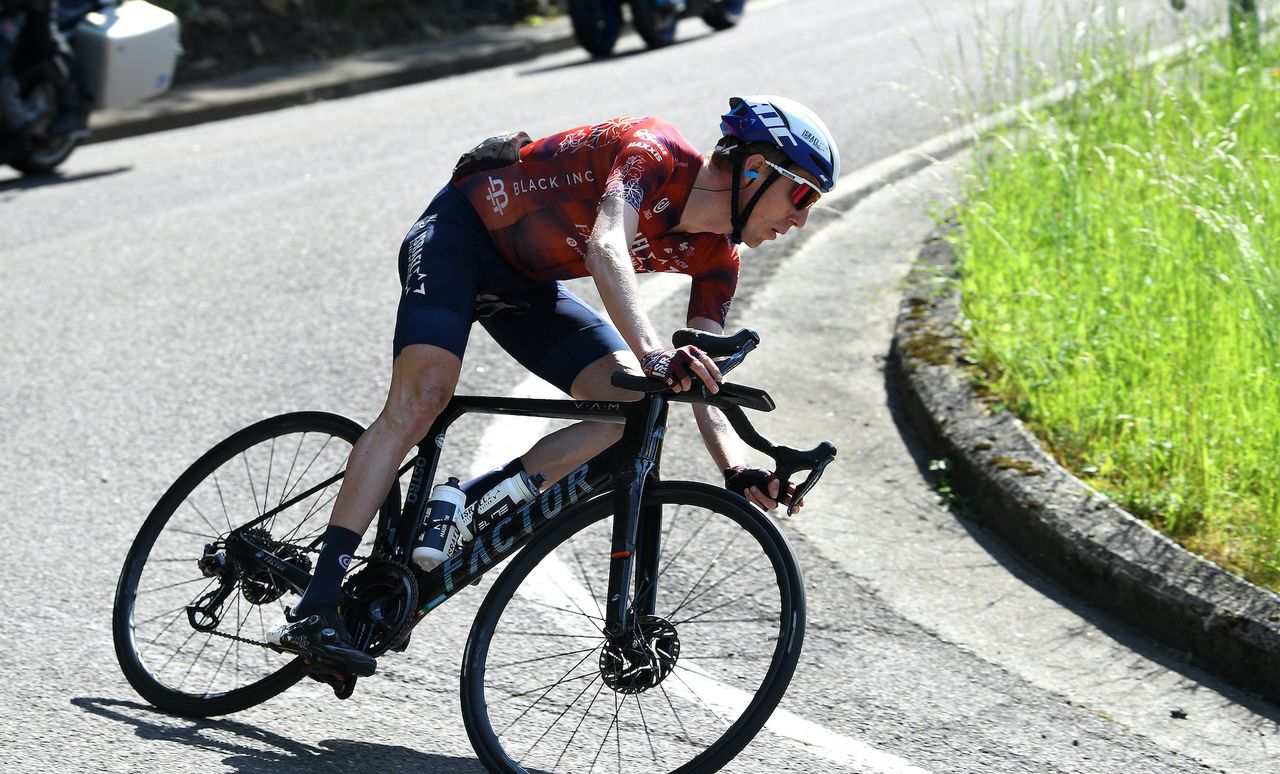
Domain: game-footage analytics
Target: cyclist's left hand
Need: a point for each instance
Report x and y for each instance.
(759, 486)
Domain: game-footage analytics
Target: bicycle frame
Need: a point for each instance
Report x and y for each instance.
(621, 469)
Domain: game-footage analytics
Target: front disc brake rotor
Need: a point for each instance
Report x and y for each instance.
(643, 661)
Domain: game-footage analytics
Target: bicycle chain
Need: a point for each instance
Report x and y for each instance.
(268, 645)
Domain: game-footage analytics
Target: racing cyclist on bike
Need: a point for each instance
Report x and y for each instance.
(609, 200)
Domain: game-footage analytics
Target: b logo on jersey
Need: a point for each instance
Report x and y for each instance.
(497, 195)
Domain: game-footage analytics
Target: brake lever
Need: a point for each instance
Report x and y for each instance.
(790, 461)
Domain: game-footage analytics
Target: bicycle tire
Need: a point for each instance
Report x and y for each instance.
(597, 24)
(572, 557)
(656, 22)
(171, 542)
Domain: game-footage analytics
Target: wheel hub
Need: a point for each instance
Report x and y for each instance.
(643, 660)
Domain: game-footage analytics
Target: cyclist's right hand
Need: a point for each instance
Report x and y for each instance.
(676, 367)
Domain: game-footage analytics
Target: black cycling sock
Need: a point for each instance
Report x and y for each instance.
(326, 585)
(480, 485)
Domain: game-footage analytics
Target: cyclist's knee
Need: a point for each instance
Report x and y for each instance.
(411, 413)
(421, 385)
(593, 382)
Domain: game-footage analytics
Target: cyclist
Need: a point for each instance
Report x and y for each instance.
(608, 200)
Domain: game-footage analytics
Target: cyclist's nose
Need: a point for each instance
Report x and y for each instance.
(799, 218)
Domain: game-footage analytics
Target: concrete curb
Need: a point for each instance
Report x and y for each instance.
(270, 88)
(1061, 525)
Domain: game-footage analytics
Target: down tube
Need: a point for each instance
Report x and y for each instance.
(509, 535)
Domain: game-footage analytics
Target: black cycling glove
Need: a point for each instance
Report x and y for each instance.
(739, 479)
(671, 365)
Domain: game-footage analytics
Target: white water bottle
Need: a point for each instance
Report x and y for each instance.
(443, 540)
(442, 523)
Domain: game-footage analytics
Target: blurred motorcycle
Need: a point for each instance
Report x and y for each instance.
(124, 53)
(597, 24)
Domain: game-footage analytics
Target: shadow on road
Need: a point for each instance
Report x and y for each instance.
(251, 749)
(40, 181)
(1196, 681)
(592, 60)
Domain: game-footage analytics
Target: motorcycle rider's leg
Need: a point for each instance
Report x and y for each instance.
(60, 63)
(15, 114)
(423, 379)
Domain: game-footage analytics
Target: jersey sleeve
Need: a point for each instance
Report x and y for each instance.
(642, 166)
(712, 290)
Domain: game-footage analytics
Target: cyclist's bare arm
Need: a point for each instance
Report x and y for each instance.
(609, 263)
(723, 444)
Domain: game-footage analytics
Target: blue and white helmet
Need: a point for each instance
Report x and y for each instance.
(794, 128)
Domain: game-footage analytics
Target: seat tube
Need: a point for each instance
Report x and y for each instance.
(630, 480)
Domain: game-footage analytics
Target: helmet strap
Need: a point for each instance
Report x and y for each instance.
(739, 219)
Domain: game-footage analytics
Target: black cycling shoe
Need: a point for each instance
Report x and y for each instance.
(323, 637)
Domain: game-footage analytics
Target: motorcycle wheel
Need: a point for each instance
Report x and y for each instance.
(723, 14)
(655, 20)
(43, 154)
(596, 24)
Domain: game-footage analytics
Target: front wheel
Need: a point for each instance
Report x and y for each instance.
(723, 14)
(715, 642)
(596, 24)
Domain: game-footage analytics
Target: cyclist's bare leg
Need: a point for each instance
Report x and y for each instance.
(423, 379)
(556, 455)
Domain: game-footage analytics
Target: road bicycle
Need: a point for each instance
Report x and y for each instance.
(638, 625)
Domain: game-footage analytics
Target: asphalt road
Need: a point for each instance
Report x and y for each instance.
(171, 288)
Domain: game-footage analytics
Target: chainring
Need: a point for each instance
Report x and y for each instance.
(380, 604)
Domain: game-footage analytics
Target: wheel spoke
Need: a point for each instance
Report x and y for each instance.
(668, 677)
(178, 667)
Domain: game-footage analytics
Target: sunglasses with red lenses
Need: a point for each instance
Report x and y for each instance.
(805, 194)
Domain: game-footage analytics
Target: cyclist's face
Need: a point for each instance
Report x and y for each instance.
(775, 214)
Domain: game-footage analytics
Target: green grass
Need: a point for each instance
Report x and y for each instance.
(1121, 276)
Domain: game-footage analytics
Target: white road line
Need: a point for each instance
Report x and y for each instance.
(553, 584)
(506, 436)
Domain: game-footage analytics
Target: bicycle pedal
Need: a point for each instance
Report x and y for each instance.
(343, 684)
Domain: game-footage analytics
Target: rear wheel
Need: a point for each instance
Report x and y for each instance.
(723, 14)
(715, 643)
(43, 152)
(191, 609)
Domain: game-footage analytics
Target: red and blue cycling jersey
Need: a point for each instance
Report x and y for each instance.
(540, 212)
